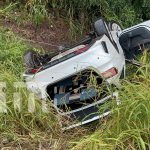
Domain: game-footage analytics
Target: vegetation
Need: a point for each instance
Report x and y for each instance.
(16, 128)
(129, 125)
(127, 12)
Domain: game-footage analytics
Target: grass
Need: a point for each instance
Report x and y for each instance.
(23, 129)
(85, 11)
(128, 127)
(37, 10)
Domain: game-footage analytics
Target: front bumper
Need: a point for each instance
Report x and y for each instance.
(88, 113)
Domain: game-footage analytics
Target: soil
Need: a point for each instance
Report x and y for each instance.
(47, 36)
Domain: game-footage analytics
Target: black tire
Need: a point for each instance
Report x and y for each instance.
(31, 59)
(101, 28)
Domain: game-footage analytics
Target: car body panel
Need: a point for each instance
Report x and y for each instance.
(94, 58)
(97, 58)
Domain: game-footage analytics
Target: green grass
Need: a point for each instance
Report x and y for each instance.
(84, 12)
(22, 129)
(128, 127)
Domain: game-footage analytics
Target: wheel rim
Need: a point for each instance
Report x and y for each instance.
(115, 27)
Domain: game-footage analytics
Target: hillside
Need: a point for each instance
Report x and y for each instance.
(45, 26)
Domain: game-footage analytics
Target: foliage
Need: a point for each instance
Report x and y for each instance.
(37, 9)
(129, 125)
(19, 127)
(127, 12)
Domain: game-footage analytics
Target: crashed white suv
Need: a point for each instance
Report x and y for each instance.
(65, 79)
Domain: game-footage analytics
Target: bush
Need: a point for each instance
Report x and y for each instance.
(19, 127)
(86, 11)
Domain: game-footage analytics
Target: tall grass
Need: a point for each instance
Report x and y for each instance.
(79, 14)
(20, 128)
(84, 12)
(37, 9)
(129, 125)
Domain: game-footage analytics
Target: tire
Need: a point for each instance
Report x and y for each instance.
(31, 59)
(101, 28)
(113, 26)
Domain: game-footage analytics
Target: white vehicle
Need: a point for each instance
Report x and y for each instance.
(65, 78)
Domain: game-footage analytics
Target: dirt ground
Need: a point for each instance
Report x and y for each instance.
(47, 36)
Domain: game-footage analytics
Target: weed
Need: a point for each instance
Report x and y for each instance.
(19, 127)
(128, 127)
(37, 9)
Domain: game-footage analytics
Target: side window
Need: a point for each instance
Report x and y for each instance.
(104, 46)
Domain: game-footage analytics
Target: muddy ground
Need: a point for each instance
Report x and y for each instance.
(46, 36)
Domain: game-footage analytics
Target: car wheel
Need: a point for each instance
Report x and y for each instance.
(31, 59)
(114, 26)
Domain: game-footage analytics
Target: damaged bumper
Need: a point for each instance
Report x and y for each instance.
(90, 112)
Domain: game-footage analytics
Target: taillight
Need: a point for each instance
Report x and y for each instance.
(81, 50)
(34, 71)
(110, 73)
